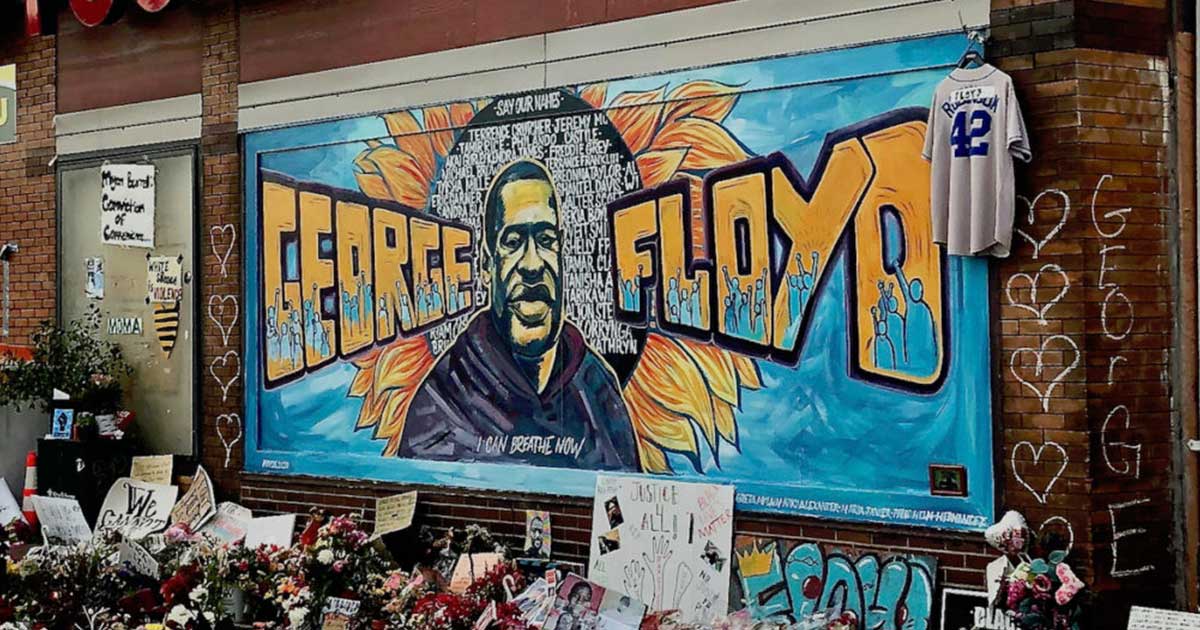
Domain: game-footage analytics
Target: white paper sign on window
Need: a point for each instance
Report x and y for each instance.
(164, 279)
(664, 543)
(127, 205)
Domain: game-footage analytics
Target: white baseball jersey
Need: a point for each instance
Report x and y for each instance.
(975, 131)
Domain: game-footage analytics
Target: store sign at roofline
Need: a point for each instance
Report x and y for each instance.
(39, 14)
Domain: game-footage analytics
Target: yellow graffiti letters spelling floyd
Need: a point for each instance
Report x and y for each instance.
(769, 237)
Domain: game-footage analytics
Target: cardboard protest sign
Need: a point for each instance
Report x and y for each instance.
(471, 567)
(1142, 618)
(136, 508)
(675, 538)
(394, 513)
(137, 558)
(164, 279)
(969, 610)
(152, 469)
(228, 525)
(271, 530)
(583, 605)
(9, 509)
(537, 534)
(62, 521)
(198, 504)
(339, 613)
(127, 205)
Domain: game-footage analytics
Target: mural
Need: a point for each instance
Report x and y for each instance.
(794, 582)
(722, 274)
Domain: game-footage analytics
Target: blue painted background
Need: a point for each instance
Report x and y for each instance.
(851, 450)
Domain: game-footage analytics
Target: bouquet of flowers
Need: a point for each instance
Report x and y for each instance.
(1041, 592)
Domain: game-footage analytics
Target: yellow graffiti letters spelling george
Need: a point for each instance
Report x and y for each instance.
(770, 238)
(342, 273)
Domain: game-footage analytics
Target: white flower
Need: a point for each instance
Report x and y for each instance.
(325, 557)
(198, 593)
(210, 617)
(180, 615)
(296, 616)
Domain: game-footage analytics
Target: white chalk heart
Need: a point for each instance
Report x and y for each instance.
(224, 360)
(1031, 215)
(218, 312)
(216, 240)
(1037, 451)
(1039, 367)
(1034, 306)
(235, 421)
(1066, 524)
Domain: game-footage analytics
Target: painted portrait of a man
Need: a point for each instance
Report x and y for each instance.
(520, 384)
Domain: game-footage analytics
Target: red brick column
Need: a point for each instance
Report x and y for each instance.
(1086, 304)
(221, 224)
(27, 190)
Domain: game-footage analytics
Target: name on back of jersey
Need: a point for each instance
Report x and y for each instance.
(984, 95)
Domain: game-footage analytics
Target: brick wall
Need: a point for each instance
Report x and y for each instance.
(1086, 405)
(27, 189)
(1083, 396)
(220, 225)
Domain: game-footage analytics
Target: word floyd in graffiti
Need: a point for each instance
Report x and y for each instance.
(769, 238)
(890, 594)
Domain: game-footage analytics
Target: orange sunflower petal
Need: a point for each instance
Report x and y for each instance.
(747, 371)
(711, 145)
(403, 175)
(438, 118)
(373, 186)
(412, 139)
(636, 116)
(657, 167)
(701, 99)
(653, 459)
(678, 384)
(656, 423)
(594, 94)
(461, 114)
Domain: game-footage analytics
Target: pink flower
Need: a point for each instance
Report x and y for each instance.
(1041, 584)
(339, 566)
(1016, 592)
(1071, 584)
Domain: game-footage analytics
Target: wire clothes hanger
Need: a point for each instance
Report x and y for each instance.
(972, 55)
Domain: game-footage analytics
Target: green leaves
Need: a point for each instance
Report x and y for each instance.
(67, 358)
(1056, 557)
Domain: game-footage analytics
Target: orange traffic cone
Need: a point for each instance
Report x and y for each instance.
(30, 489)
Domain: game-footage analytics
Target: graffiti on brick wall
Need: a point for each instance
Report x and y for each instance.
(782, 580)
(685, 274)
(1038, 467)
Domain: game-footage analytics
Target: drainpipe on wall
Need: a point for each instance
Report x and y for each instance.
(6, 252)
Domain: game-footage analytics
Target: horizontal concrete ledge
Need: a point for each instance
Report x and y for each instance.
(722, 33)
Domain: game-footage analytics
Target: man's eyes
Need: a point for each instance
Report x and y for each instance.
(547, 240)
(511, 240)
